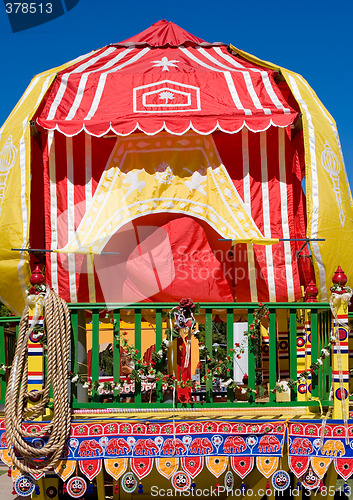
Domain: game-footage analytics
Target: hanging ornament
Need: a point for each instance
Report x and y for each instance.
(64, 489)
(65, 469)
(37, 475)
(310, 480)
(267, 465)
(298, 465)
(280, 480)
(216, 465)
(167, 466)
(15, 473)
(90, 468)
(129, 482)
(344, 467)
(320, 465)
(181, 481)
(140, 488)
(116, 488)
(346, 489)
(115, 466)
(242, 465)
(37, 490)
(193, 487)
(299, 485)
(76, 487)
(5, 457)
(192, 465)
(229, 481)
(51, 492)
(24, 486)
(141, 466)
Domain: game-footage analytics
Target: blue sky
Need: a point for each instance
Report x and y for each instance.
(311, 37)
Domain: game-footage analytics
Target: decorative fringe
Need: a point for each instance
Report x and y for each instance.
(116, 488)
(64, 489)
(37, 490)
(140, 488)
(9, 472)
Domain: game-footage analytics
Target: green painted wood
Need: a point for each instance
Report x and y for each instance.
(74, 343)
(138, 348)
(230, 345)
(293, 350)
(272, 355)
(212, 305)
(116, 352)
(159, 366)
(2, 361)
(251, 362)
(208, 344)
(95, 352)
(314, 352)
(218, 406)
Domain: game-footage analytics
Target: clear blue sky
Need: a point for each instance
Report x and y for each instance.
(311, 37)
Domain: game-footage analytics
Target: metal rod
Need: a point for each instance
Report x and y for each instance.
(282, 239)
(42, 250)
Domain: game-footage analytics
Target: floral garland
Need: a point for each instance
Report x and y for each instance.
(216, 369)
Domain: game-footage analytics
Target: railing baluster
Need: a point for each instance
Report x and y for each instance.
(293, 351)
(138, 348)
(74, 358)
(314, 352)
(272, 355)
(159, 339)
(116, 352)
(230, 345)
(208, 344)
(95, 353)
(2, 361)
(251, 362)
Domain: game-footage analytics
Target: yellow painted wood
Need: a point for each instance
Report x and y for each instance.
(301, 349)
(42, 495)
(35, 363)
(100, 485)
(307, 352)
(341, 407)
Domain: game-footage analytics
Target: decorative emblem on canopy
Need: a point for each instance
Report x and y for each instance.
(7, 161)
(331, 164)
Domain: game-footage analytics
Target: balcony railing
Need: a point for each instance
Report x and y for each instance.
(97, 326)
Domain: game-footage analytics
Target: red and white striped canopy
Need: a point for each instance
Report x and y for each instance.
(164, 79)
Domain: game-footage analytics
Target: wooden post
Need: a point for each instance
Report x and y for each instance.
(35, 348)
(340, 363)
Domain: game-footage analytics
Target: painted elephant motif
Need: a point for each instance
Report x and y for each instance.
(269, 444)
(202, 446)
(117, 446)
(234, 444)
(171, 447)
(90, 448)
(333, 447)
(3, 442)
(146, 447)
(301, 446)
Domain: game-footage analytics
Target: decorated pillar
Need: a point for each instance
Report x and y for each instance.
(282, 343)
(339, 300)
(35, 345)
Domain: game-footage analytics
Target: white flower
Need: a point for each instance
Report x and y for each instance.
(283, 385)
(325, 352)
(302, 380)
(74, 379)
(86, 385)
(167, 343)
(333, 338)
(160, 352)
(228, 382)
(244, 391)
(319, 361)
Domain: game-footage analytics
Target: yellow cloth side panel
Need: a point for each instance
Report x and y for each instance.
(15, 158)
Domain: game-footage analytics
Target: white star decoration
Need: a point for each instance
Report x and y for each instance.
(164, 63)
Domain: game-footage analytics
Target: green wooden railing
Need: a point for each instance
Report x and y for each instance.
(209, 395)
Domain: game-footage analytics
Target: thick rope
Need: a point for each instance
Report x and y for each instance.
(58, 329)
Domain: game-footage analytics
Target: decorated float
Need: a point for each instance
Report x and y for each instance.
(185, 210)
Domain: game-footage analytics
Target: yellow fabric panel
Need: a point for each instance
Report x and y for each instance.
(164, 174)
(15, 157)
(329, 199)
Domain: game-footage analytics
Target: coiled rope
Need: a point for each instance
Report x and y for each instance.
(58, 330)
